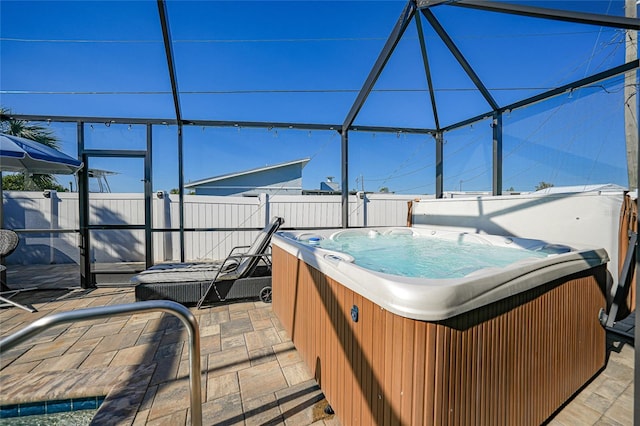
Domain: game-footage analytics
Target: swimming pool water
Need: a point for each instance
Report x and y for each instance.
(68, 418)
(67, 412)
(424, 257)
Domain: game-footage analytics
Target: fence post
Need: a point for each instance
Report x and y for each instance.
(361, 207)
(52, 194)
(365, 212)
(163, 220)
(263, 201)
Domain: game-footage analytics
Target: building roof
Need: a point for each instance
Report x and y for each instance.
(303, 162)
(330, 185)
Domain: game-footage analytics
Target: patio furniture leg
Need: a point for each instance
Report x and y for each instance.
(5, 301)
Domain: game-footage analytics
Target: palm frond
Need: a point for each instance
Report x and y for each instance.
(34, 132)
(27, 130)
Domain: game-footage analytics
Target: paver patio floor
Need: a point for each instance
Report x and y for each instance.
(251, 372)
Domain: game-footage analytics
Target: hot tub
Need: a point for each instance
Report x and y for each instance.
(501, 343)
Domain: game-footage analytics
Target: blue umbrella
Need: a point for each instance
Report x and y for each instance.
(20, 154)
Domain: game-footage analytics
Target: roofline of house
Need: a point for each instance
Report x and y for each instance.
(246, 172)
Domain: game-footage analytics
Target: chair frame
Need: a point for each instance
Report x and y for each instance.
(263, 253)
(266, 258)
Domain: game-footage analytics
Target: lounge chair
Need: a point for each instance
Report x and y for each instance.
(8, 242)
(244, 273)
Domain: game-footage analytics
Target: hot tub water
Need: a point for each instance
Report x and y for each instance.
(423, 256)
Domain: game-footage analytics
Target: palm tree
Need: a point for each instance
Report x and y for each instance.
(543, 185)
(35, 132)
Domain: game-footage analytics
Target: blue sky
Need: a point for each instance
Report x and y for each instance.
(305, 62)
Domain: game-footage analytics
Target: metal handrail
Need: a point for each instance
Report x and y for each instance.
(187, 318)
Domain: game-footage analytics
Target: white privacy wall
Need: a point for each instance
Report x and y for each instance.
(212, 217)
(31, 210)
(572, 218)
(590, 218)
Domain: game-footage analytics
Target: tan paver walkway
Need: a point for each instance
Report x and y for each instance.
(252, 374)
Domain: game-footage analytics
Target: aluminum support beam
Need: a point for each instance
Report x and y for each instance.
(181, 190)
(88, 119)
(378, 129)
(148, 189)
(345, 178)
(439, 164)
(390, 45)
(620, 69)
(114, 153)
(427, 71)
(86, 277)
(430, 3)
(497, 153)
(166, 36)
(117, 227)
(213, 123)
(546, 13)
(460, 58)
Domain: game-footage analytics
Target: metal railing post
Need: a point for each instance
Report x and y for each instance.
(176, 309)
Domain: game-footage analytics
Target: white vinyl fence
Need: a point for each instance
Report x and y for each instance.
(209, 221)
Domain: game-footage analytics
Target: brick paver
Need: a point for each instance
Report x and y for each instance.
(252, 373)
